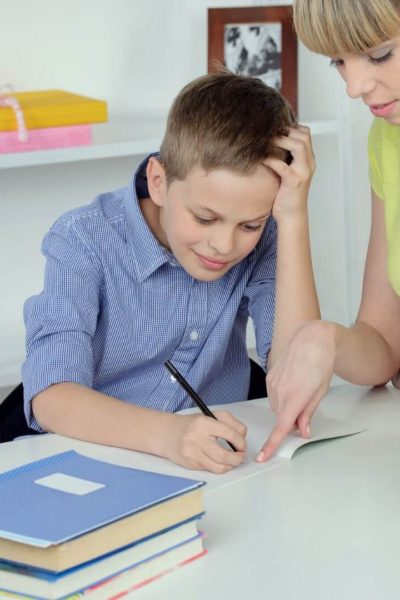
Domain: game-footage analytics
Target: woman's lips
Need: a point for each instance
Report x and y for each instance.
(382, 110)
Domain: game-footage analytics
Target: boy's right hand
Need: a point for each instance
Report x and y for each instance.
(192, 442)
(292, 196)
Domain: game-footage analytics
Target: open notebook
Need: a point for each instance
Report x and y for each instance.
(259, 419)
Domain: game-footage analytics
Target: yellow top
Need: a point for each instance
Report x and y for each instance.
(384, 169)
(53, 108)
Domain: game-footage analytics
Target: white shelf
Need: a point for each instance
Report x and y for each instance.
(118, 138)
(125, 137)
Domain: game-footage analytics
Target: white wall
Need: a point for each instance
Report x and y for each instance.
(137, 54)
(358, 199)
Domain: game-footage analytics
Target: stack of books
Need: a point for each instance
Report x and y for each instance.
(53, 119)
(74, 526)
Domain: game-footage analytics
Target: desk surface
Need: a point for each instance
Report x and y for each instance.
(326, 525)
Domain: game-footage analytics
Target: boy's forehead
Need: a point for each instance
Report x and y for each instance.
(201, 174)
(216, 189)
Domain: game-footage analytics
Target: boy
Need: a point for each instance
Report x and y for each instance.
(170, 268)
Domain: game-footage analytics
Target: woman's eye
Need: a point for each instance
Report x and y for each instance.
(336, 62)
(376, 60)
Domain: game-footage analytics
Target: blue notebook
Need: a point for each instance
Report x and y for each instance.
(58, 498)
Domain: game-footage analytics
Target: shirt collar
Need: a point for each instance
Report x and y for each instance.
(147, 251)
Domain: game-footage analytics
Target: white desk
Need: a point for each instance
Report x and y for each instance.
(325, 526)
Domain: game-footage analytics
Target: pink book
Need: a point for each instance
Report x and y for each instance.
(46, 138)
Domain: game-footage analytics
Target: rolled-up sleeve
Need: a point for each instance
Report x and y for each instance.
(61, 320)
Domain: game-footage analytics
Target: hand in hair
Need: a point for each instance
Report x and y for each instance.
(296, 176)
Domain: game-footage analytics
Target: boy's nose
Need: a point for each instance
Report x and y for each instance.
(222, 242)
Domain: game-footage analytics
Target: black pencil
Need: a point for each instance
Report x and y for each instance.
(194, 396)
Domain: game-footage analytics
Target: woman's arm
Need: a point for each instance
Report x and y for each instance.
(367, 353)
(371, 356)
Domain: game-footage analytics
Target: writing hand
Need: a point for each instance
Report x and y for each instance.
(192, 442)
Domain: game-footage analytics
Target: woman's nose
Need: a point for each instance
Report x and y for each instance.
(359, 81)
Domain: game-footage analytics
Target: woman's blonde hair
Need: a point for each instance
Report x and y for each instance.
(336, 27)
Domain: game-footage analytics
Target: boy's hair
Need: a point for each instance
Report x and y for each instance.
(226, 121)
(336, 27)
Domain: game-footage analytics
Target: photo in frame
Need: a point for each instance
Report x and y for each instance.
(258, 41)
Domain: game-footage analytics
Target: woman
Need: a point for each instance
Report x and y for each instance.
(362, 37)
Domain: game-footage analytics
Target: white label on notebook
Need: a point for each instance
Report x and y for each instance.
(69, 484)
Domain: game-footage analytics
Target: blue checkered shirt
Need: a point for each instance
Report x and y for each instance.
(116, 305)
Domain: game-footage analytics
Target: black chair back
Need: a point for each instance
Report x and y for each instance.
(12, 419)
(257, 388)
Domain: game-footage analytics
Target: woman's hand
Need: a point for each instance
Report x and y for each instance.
(192, 442)
(298, 381)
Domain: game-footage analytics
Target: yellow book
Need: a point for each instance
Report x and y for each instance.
(53, 108)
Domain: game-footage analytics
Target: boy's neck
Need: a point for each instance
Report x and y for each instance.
(151, 214)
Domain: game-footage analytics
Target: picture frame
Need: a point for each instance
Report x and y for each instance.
(259, 41)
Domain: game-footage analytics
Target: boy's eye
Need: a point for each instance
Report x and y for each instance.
(248, 227)
(203, 220)
(210, 220)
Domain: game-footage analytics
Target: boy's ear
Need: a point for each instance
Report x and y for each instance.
(156, 181)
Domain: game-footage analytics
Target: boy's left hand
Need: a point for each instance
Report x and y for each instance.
(296, 177)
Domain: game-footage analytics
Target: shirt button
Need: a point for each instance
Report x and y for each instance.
(194, 335)
(172, 379)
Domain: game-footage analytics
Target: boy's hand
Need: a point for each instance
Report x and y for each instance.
(296, 177)
(193, 442)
